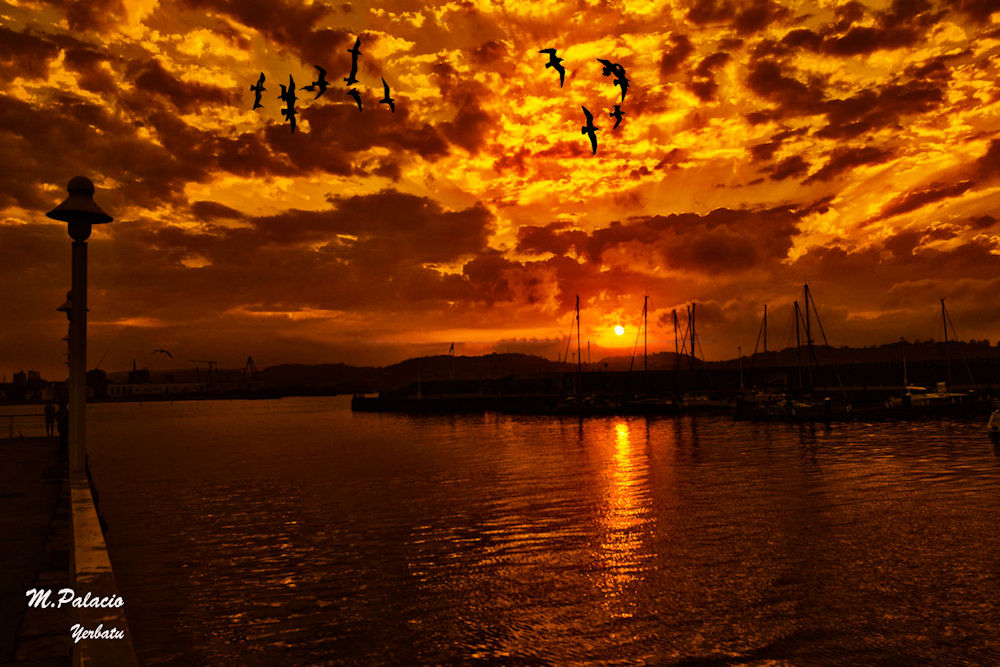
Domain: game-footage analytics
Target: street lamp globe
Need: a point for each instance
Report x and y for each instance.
(79, 209)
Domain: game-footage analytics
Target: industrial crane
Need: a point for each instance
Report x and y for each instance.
(251, 369)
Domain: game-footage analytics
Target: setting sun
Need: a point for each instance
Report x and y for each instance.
(619, 330)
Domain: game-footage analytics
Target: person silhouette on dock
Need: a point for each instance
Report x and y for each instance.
(50, 419)
(62, 425)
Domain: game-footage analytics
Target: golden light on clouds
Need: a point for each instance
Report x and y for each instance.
(855, 147)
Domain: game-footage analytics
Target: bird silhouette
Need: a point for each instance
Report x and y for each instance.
(621, 79)
(353, 92)
(164, 352)
(619, 73)
(590, 130)
(288, 97)
(609, 66)
(351, 79)
(554, 63)
(386, 100)
(617, 114)
(321, 83)
(258, 91)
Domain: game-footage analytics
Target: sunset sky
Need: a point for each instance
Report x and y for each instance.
(852, 145)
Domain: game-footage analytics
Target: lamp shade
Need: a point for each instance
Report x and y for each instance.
(80, 206)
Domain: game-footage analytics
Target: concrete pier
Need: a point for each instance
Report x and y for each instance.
(51, 540)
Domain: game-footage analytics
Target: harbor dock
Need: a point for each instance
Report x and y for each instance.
(51, 540)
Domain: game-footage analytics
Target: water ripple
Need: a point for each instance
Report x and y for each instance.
(296, 532)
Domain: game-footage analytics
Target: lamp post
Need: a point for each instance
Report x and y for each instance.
(80, 212)
(67, 310)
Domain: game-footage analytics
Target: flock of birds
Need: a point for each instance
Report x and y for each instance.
(609, 69)
(320, 85)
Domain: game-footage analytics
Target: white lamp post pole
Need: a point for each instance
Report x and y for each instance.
(80, 212)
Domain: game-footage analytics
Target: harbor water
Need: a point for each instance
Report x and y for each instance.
(294, 531)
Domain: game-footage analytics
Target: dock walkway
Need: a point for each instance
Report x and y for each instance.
(35, 541)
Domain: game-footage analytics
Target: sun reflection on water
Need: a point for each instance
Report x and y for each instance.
(625, 553)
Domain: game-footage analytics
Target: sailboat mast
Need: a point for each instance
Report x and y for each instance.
(693, 353)
(798, 344)
(944, 323)
(645, 331)
(809, 339)
(805, 291)
(579, 359)
(677, 358)
(765, 328)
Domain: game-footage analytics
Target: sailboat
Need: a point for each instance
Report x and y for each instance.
(941, 399)
(805, 404)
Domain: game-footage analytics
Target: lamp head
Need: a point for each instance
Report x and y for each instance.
(79, 209)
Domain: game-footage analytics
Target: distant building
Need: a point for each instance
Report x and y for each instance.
(150, 389)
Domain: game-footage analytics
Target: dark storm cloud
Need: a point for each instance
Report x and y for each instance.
(295, 26)
(553, 238)
(366, 252)
(489, 271)
(153, 79)
(710, 11)
(895, 266)
(903, 24)
(471, 123)
(514, 161)
(63, 136)
(801, 38)
(769, 80)
(873, 109)
(913, 200)
(210, 210)
(91, 16)
(91, 76)
(723, 241)
(702, 80)
(763, 152)
(341, 130)
(844, 158)
(860, 39)
(977, 10)
(492, 54)
(988, 165)
(789, 167)
(746, 18)
(675, 54)
(757, 15)
(25, 54)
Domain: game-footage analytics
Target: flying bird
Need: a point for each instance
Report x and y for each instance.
(288, 96)
(621, 79)
(258, 90)
(590, 130)
(554, 64)
(164, 352)
(321, 83)
(351, 79)
(619, 72)
(385, 100)
(617, 114)
(353, 92)
(609, 66)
